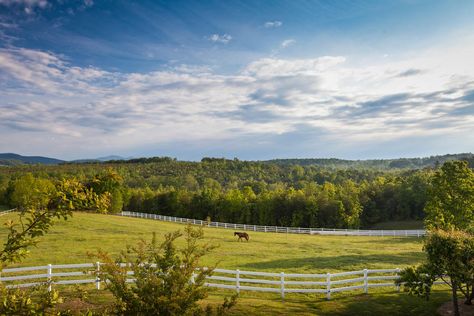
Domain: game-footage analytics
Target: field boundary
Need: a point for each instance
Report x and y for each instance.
(282, 229)
(237, 280)
(7, 211)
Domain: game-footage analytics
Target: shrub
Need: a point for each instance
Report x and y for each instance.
(168, 280)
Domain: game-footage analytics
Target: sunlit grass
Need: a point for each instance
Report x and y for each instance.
(70, 241)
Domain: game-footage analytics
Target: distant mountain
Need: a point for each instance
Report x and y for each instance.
(111, 157)
(9, 159)
(114, 158)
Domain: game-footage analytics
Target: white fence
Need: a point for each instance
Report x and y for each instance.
(7, 211)
(280, 229)
(237, 280)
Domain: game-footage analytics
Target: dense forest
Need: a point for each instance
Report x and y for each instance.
(280, 192)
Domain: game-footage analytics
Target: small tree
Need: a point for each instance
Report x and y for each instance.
(168, 280)
(450, 257)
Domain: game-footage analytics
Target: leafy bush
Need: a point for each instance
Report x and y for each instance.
(168, 280)
(36, 301)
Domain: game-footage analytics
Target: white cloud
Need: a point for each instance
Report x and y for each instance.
(28, 3)
(272, 24)
(217, 38)
(62, 107)
(286, 43)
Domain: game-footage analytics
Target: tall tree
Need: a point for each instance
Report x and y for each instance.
(450, 202)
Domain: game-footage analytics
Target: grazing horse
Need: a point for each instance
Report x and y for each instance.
(242, 235)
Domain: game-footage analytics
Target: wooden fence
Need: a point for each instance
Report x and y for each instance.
(280, 229)
(237, 280)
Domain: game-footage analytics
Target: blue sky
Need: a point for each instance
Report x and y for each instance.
(246, 79)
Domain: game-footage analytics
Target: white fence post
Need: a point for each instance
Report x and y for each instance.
(50, 272)
(282, 285)
(97, 278)
(328, 286)
(366, 282)
(237, 281)
(398, 273)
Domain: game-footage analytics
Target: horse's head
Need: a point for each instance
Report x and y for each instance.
(236, 233)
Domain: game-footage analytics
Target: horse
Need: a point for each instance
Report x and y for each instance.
(242, 235)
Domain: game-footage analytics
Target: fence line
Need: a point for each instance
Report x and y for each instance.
(7, 211)
(280, 229)
(237, 280)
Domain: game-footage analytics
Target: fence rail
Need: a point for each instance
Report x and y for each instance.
(237, 280)
(280, 229)
(7, 211)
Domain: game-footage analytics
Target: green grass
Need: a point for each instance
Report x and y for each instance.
(69, 241)
(399, 225)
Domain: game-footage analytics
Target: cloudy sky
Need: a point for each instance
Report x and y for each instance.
(247, 79)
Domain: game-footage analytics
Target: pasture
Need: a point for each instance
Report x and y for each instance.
(70, 241)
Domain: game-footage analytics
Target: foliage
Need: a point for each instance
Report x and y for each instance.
(168, 280)
(36, 301)
(28, 192)
(450, 257)
(73, 195)
(40, 202)
(417, 280)
(451, 198)
(291, 193)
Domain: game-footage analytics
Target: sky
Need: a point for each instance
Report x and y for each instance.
(252, 79)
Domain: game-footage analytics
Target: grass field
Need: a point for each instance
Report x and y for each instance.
(69, 242)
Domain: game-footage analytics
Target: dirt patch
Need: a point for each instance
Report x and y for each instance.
(76, 306)
(447, 309)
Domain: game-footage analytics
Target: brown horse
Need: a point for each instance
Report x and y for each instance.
(242, 235)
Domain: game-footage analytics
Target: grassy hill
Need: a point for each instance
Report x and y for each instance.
(69, 242)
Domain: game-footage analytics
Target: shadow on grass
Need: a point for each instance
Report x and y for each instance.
(337, 262)
(391, 240)
(342, 304)
(387, 304)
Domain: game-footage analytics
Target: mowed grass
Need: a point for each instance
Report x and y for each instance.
(70, 241)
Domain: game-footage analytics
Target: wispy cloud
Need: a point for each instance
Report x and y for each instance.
(217, 38)
(27, 3)
(286, 43)
(272, 100)
(272, 24)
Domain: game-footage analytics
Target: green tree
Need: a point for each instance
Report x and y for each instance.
(29, 192)
(451, 198)
(450, 257)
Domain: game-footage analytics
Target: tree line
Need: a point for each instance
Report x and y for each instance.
(242, 191)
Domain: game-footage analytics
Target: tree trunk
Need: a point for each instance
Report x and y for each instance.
(455, 299)
(471, 297)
